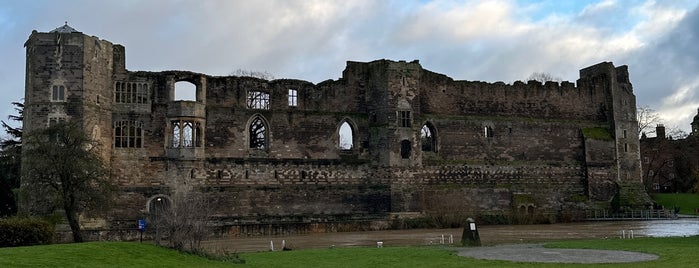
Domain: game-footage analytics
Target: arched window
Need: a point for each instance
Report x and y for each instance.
(186, 133)
(346, 134)
(185, 91)
(258, 133)
(427, 138)
(405, 147)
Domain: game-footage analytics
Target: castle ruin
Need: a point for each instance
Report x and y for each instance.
(387, 141)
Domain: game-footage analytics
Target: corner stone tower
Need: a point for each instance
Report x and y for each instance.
(69, 77)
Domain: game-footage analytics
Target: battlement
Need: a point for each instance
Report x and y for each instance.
(386, 137)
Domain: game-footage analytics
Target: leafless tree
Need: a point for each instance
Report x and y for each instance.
(184, 223)
(543, 77)
(647, 120)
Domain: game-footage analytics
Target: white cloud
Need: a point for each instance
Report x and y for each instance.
(312, 39)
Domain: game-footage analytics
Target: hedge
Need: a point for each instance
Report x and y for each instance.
(16, 232)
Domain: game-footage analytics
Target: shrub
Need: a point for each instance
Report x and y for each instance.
(16, 232)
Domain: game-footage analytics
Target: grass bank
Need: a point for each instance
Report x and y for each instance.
(687, 202)
(673, 252)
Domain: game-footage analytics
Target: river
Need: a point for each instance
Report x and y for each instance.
(489, 234)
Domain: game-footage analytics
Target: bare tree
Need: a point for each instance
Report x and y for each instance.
(647, 120)
(64, 165)
(677, 133)
(257, 74)
(543, 77)
(184, 223)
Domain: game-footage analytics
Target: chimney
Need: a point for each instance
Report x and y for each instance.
(660, 131)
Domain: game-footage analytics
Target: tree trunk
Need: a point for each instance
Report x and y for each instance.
(72, 218)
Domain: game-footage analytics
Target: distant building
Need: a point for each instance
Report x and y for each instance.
(387, 142)
(670, 165)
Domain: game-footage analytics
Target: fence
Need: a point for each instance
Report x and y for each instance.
(644, 214)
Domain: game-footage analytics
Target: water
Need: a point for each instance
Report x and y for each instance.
(490, 235)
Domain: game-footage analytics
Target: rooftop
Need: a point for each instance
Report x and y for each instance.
(64, 29)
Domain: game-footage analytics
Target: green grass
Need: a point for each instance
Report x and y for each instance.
(673, 252)
(102, 254)
(597, 133)
(687, 202)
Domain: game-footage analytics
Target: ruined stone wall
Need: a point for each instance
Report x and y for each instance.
(498, 149)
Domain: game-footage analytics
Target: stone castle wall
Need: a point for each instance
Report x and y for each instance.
(497, 149)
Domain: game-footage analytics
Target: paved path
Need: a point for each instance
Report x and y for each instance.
(537, 253)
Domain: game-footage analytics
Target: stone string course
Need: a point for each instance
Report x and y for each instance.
(524, 149)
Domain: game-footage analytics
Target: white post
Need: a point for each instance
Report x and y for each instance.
(451, 239)
(631, 234)
(623, 234)
(442, 240)
(283, 244)
(271, 245)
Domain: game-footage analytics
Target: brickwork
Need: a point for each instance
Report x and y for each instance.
(496, 148)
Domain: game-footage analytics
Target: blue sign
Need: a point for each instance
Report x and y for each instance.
(141, 225)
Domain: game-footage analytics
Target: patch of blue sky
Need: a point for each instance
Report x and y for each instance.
(538, 10)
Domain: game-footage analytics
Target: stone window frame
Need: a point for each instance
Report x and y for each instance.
(488, 131)
(353, 135)
(433, 135)
(262, 142)
(131, 92)
(185, 133)
(293, 97)
(404, 118)
(128, 134)
(257, 99)
(58, 93)
(405, 149)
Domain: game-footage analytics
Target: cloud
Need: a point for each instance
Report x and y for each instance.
(502, 40)
(665, 72)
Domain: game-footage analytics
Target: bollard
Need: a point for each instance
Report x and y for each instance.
(470, 237)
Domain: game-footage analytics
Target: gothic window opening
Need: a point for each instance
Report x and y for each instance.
(58, 93)
(346, 136)
(293, 98)
(258, 134)
(128, 134)
(405, 147)
(488, 131)
(427, 138)
(186, 134)
(404, 119)
(258, 100)
(186, 91)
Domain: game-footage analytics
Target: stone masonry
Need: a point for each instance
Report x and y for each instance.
(387, 140)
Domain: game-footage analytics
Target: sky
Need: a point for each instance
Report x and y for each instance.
(495, 40)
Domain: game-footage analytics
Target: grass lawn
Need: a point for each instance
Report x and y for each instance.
(101, 254)
(673, 252)
(687, 202)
